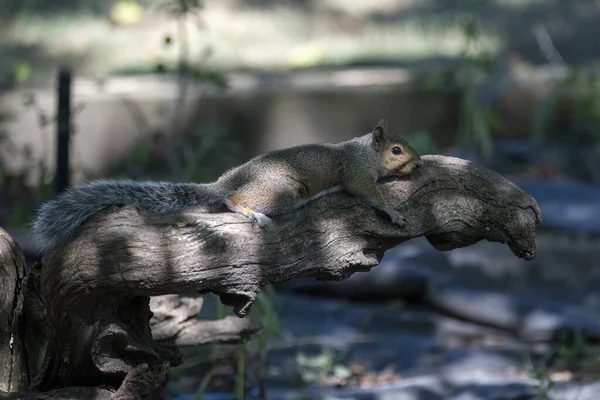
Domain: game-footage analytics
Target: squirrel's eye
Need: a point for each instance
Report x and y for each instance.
(397, 150)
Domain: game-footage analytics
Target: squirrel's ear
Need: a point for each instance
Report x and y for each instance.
(379, 133)
(383, 124)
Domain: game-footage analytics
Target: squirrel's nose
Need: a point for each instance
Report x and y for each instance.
(419, 163)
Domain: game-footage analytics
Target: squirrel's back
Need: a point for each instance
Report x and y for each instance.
(317, 167)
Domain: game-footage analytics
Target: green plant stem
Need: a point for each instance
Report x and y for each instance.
(241, 366)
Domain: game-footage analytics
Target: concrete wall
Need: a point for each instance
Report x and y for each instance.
(264, 113)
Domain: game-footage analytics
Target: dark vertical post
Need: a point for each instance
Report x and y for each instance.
(63, 130)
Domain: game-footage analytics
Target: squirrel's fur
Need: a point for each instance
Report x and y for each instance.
(270, 184)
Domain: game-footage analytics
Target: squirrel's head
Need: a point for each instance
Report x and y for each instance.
(397, 157)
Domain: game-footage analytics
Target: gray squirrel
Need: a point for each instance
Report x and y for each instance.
(269, 185)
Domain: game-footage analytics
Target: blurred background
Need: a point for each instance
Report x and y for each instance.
(182, 90)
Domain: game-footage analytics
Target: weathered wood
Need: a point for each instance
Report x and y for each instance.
(14, 373)
(143, 382)
(174, 322)
(97, 286)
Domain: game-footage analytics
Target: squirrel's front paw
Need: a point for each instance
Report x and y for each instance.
(261, 220)
(397, 218)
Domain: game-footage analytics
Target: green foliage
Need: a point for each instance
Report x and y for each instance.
(241, 369)
(204, 384)
(197, 154)
(581, 89)
(476, 122)
(572, 353)
(262, 314)
(10, 8)
(423, 142)
(575, 353)
(200, 152)
(194, 154)
(207, 75)
(32, 183)
(22, 71)
(27, 186)
(317, 368)
(27, 196)
(183, 10)
(545, 382)
(16, 74)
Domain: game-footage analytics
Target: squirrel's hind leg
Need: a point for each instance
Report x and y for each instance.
(232, 202)
(259, 202)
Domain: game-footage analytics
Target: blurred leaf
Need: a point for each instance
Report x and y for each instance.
(318, 361)
(493, 120)
(160, 68)
(306, 55)
(434, 80)
(141, 154)
(573, 77)
(22, 72)
(341, 372)
(126, 12)
(469, 27)
(209, 76)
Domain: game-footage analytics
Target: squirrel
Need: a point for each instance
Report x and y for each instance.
(271, 184)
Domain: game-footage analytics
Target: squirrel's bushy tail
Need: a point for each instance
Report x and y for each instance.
(57, 220)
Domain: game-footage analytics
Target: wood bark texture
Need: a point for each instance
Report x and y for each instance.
(14, 374)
